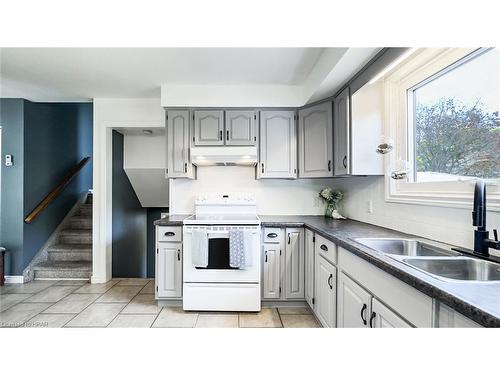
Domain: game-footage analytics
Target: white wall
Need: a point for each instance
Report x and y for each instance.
(450, 225)
(274, 197)
(112, 114)
(144, 163)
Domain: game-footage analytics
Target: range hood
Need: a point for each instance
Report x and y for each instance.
(224, 155)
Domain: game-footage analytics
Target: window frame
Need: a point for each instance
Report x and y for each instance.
(425, 64)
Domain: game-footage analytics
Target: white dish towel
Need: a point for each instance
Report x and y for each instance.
(240, 248)
(199, 248)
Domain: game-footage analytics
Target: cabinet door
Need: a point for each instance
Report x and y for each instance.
(325, 301)
(294, 269)
(316, 141)
(240, 128)
(354, 307)
(178, 163)
(169, 270)
(208, 128)
(383, 317)
(271, 271)
(278, 149)
(341, 130)
(309, 267)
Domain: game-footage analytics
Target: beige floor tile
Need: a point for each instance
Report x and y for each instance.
(175, 317)
(96, 288)
(97, 315)
(48, 321)
(72, 304)
(266, 318)
(30, 288)
(52, 293)
(217, 321)
(9, 300)
(294, 310)
(18, 314)
(120, 294)
(149, 288)
(299, 321)
(72, 282)
(129, 282)
(142, 304)
(133, 321)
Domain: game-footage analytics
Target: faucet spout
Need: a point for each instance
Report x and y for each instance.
(479, 211)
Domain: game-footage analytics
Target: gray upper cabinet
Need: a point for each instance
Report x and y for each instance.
(316, 141)
(208, 128)
(278, 145)
(178, 136)
(240, 128)
(341, 130)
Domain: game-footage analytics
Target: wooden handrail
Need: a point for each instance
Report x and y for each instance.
(56, 191)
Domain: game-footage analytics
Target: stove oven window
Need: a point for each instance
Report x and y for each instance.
(218, 254)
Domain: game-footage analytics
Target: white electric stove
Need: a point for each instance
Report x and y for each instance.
(219, 287)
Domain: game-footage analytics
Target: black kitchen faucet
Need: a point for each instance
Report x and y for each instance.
(482, 241)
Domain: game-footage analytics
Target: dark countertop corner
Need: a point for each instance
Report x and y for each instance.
(171, 220)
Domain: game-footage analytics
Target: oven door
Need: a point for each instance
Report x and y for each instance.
(218, 268)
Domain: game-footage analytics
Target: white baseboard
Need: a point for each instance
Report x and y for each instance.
(14, 279)
(98, 280)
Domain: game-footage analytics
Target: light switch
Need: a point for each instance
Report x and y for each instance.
(9, 160)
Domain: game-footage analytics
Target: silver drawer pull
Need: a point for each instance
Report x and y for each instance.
(272, 235)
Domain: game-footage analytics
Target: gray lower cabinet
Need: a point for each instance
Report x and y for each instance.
(353, 305)
(208, 128)
(294, 260)
(240, 128)
(278, 145)
(168, 263)
(309, 267)
(325, 292)
(283, 264)
(271, 271)
(341, 133)
(383, 317)
(316, 141)
(178, 142)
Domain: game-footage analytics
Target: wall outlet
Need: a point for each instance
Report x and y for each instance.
(163, 215)
(369, 206)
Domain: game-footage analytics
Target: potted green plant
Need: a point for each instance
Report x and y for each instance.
(332, 199)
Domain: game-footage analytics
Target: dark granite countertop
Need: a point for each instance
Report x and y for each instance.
(171, 220)
(477, 301)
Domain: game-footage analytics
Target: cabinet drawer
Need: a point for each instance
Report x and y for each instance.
(168, 234)
(326, 248)
(273, 235)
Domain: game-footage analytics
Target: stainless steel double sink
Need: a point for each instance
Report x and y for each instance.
(436, 259)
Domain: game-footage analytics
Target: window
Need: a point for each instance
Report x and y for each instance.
(442, 111)
(454, 121)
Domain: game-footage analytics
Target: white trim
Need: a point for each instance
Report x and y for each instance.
(14, 279)
(425, 63)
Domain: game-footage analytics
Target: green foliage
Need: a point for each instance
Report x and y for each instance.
(456, 139)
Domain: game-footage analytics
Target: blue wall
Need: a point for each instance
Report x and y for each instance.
(54, 137)
(11, 206)
(129, 257)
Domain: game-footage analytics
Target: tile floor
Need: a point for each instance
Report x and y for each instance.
(124, 303)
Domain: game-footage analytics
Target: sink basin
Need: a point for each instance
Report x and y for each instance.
(459, 268)
(406, 247)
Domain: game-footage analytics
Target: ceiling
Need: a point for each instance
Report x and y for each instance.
(80, 74)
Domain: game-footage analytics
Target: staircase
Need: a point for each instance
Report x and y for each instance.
(71, 255)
